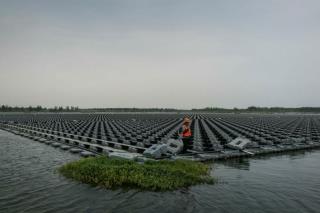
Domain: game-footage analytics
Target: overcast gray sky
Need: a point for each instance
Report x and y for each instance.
(160, 53)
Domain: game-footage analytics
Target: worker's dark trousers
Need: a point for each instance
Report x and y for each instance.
(186, 144)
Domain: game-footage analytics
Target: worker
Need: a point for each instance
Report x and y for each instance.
(186, 134)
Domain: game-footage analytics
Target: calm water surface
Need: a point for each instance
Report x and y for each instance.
(29, 182)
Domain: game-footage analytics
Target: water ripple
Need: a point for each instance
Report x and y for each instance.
(29, 182)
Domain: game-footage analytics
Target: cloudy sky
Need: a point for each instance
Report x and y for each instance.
(160, 53)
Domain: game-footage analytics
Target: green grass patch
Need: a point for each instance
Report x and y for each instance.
(114, 173)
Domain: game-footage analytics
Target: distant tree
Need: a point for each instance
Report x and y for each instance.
(252, 108)
(39, 108)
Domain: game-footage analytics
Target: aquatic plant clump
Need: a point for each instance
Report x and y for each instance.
(150, 175)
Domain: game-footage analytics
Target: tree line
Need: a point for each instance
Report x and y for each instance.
(39, 108)
(260, 109)
(132, 110)
(6, 108)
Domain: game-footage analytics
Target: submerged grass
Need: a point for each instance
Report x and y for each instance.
(114, 173)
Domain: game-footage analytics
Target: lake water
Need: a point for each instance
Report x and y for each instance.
(29, 182)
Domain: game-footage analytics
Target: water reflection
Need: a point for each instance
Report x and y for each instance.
(290, 154)
(244, 163)
(272, 183)
(236, 163)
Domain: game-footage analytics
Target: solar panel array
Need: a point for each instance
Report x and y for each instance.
(211, 132)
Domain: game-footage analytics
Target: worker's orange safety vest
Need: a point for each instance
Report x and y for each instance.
(187, 133)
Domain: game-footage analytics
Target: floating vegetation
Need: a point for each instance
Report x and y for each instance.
(113, 173)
